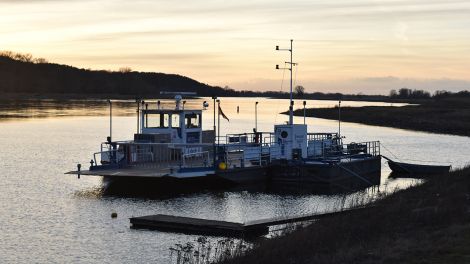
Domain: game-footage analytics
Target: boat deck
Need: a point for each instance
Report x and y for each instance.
(125, 172)
(147, 172)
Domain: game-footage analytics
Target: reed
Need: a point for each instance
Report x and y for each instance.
(426, 223)
(204, 251)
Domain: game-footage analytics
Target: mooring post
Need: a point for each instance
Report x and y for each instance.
(79, 166)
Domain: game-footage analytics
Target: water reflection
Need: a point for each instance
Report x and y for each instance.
(59, 218)
(42, 108)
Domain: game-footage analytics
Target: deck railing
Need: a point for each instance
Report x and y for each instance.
(156, 155)
(324, 149)
(173, 155)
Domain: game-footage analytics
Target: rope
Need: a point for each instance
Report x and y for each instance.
(429, 161)
(355, 174)
(390, 152)
(295, 75)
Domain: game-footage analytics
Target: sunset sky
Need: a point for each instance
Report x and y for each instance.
(368, 46)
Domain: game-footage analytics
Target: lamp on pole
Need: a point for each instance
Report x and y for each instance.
(305, 102)
(256, 117)
(215, 135)
(138, 114)
(339, 118)
(218, 122)
(110, 120)
(291, 64)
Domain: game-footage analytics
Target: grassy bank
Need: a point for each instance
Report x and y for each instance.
(447, 116)
(423, 224)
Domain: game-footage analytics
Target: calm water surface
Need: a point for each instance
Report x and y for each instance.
(49, 217)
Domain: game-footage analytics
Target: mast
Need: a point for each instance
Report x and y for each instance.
(291, 64)
(291, 103)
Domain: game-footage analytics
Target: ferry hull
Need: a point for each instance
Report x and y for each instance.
(146, 186)
(328, 177)
(248, 175)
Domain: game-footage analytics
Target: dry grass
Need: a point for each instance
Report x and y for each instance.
(424, 224)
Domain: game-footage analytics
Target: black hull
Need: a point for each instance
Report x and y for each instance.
(248, 175)
(333, 177)
(158, 187)
(283, 176)
(408, 168)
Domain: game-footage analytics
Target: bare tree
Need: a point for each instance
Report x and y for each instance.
(125, 69)
(299, 90)
(40, 60)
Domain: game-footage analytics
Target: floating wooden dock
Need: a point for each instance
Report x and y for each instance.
(191, 225)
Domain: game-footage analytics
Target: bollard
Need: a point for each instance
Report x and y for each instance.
(79, 166)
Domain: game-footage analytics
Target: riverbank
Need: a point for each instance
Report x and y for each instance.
(446, 116)
(428, 223)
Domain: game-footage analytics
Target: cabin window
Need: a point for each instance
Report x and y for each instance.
(175, 121)
(193, 120)
(152, 120)
(156, 120)
(165, 120)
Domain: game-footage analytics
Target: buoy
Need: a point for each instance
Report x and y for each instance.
(222, 166)
(113, 215)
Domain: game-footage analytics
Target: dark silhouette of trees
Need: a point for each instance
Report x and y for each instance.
(125, 69)
(405, 93)
(299, 90)
(21, 73)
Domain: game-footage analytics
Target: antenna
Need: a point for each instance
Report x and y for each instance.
(291, 104)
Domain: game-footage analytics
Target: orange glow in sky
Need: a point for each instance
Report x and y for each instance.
(368, 46)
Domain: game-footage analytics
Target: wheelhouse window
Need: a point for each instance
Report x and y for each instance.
(193, 120)
(156, 120)
(175, 120)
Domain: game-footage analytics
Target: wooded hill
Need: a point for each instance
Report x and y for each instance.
(27, 75)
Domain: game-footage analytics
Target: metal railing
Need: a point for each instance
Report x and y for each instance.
(324, 149)
(321, 136)
(196, 159)
(172, 155)
(155, 155)
(105, 157)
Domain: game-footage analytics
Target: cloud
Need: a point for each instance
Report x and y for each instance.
(152, 33)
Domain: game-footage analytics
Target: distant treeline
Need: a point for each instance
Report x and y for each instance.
(24, 74)
(405, 93)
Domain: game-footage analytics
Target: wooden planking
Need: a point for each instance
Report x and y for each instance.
(193, 225)
(215, 227)
(294, 219)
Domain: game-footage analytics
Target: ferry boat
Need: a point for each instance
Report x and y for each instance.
(170, 143)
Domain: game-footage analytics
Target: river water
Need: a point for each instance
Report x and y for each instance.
(49, 217)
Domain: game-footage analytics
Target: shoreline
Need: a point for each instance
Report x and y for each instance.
(105, 96)
(447, 117)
